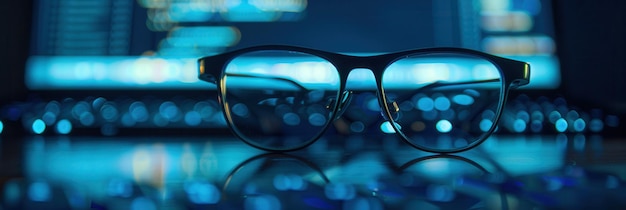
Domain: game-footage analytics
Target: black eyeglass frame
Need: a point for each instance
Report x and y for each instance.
(514, 74)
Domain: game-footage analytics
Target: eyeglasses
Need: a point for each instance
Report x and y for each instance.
(282, 98)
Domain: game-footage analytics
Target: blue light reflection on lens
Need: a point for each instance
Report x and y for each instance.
(463, 99)
(485, 125)
(373, 105)
(442, 103)
(291, 119)
(406, 106)
(460, 142)
(38, 126)
(448, 114)
(317, 119)
(425, 104)
(1, 126)
(386, 127)
(444, 126)
(357, 127)
(430, 115)
(488, 115)
(472, 92)
(240, 110)
(463, 115)
(282, 109)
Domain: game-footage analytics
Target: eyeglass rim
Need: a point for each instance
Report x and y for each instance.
(344, 64)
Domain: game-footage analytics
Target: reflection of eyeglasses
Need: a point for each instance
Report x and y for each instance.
(282, 98)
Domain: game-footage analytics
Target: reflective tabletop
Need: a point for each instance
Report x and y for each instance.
(355, 172)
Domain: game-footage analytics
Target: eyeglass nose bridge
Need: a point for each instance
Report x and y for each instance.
(345, 99)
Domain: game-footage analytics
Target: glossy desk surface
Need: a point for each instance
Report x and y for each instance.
(522, 172)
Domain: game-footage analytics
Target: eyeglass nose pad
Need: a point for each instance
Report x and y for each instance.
(346, 98)
(394, 110)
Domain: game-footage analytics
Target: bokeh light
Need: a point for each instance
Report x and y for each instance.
(39, 191)
(38, 126)
(64, 126)
(485, 125)
(386, 127)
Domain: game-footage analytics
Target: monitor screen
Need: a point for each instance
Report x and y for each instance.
(154, 44)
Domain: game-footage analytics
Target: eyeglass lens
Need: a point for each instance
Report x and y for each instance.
(444, 101)
(282, 100)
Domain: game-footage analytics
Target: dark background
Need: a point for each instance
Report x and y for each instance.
(591, 44)
(590, 37)
(16, 18)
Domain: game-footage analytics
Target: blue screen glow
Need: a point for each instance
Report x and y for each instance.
(93, 72)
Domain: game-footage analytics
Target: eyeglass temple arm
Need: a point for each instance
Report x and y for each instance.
(212, 79)
(294, 83)
(442, 84)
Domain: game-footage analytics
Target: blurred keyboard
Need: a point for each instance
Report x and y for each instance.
(111, 116)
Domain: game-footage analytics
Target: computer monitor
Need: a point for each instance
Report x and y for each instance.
(154, 44)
